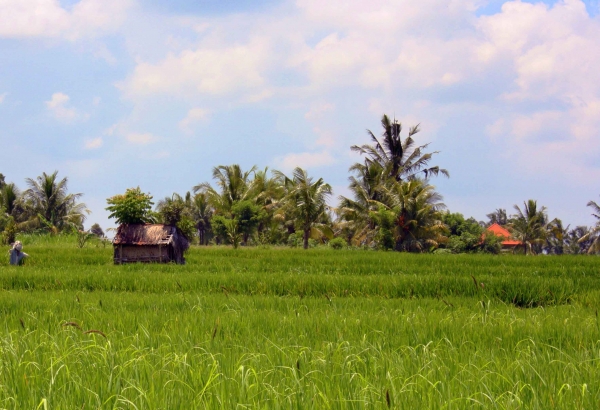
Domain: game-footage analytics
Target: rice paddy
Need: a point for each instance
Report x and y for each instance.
(287, 328)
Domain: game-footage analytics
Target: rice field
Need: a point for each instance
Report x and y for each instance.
(292, 329)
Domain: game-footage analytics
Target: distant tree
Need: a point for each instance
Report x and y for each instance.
(233, 183)
(557, 237)
(577, 242)
(593, 236)
(307, 203)
(2, 180)
(529, 226)
(133, 207)
(202, 214)
(248, 216)
(96, 229)
(418, 215)
(9, 194)
(401, 159)
(499, 217)
(47, 201)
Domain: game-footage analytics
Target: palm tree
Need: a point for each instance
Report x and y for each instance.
(593, 236)
(354, 214)
(47, 201)
(9, 194)
(498, 216)
(307, 203)
(529, 226)
(202, 212)
(401, 159)
(417, 208)
(234, 185)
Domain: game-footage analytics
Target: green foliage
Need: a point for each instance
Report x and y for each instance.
(10, 231)
(248, 216)
(133, 207)
(218, 223)
(96, 229)
(83, 237)
(386, 224)
(47, 200)
(337, 243)
(232, 229)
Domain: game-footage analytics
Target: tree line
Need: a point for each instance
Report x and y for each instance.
(392, 206)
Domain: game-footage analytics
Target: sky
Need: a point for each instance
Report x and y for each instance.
(124, 93)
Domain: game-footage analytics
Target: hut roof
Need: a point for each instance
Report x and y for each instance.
(150, 234)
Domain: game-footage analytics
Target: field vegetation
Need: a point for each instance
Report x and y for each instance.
(260, 327)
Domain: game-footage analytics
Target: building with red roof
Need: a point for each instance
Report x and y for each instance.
(502, 232)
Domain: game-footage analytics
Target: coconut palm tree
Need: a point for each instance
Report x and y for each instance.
(9, 194)
(417, 208)
(401, 159)
(306, 202)
(529, 226)
(47, 200)
(355, 214)
(593, 236)
(498, 216)
(234, 186)
(202, 213)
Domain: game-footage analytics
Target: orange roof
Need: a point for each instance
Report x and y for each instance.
(499, 230)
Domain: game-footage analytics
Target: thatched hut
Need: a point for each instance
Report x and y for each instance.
(149, 243)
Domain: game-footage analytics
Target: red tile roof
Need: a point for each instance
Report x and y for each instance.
(499, 230)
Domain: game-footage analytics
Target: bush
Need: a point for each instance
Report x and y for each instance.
(337, 243)
(133, 207)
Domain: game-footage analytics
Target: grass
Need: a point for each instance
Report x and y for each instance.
(287, 328)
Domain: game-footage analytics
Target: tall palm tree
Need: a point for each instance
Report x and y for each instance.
(47, 200)
(202, 212)
(307, 203)
(529, 226)
(593, 236)
(402, 159)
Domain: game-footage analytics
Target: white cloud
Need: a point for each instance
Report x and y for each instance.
(58, 108)
(46, 18)
(141, 138)
(2, 97)
(193, 116)
(206, 70)
(94, 143)
(304, 160)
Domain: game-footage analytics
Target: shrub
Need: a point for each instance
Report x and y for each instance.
(133, 207)
(337, 243)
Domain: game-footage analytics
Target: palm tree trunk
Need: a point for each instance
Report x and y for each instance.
(306, 235)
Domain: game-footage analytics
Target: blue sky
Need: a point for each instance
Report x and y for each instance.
(124, 93)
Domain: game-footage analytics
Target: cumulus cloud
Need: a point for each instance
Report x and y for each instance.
(193, 116)
(94, 143)
(305, 160)
(47, 18)
(206, 70)
(59, 108)
(529, 72)
(141, 138)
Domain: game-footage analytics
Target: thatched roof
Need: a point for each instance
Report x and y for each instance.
(150, 234)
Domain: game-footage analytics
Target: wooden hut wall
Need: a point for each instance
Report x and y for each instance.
(142, 253)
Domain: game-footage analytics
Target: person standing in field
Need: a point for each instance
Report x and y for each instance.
(16, 254)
